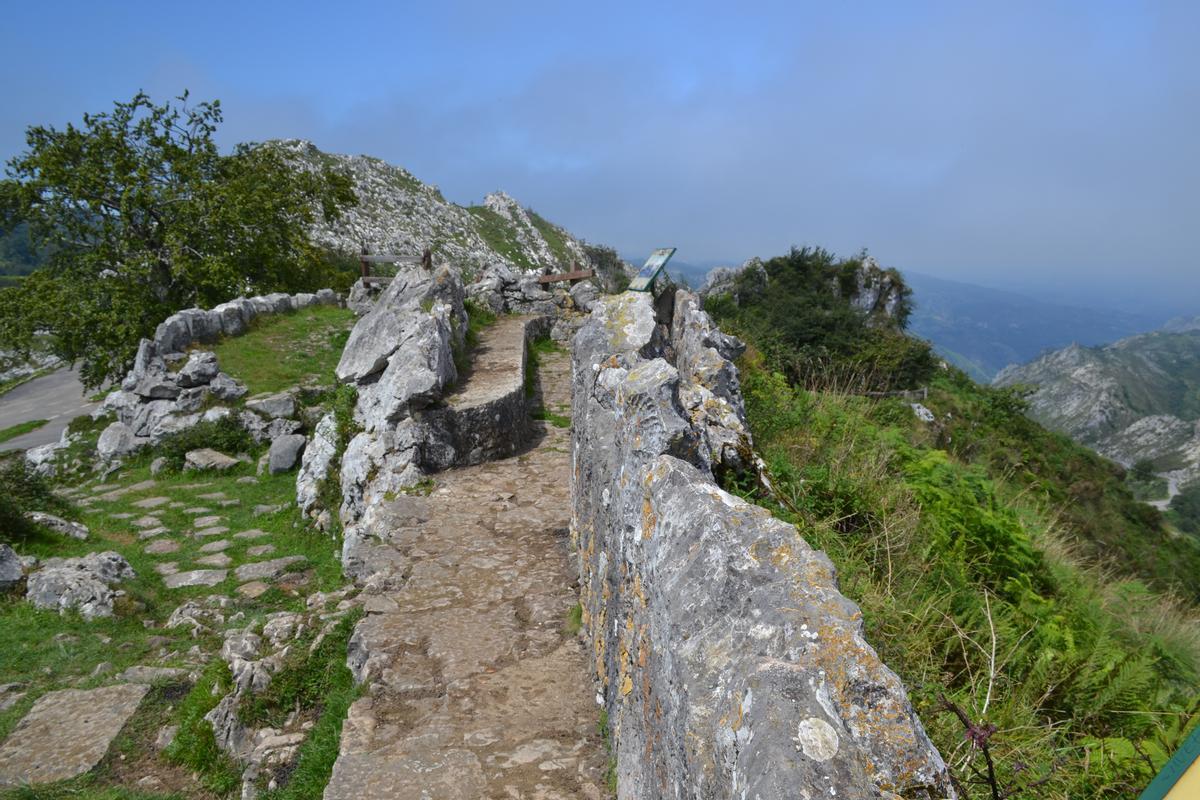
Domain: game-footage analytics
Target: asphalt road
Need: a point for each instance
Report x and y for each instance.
(58, 397)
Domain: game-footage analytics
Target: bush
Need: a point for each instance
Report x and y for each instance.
(22, 491)
(226, 435)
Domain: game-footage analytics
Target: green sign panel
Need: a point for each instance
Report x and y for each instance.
(644, 280)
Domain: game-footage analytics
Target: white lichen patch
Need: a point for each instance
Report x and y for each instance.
(817, 739)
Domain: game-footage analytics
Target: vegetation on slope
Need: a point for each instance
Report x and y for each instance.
(140, 216)
(972, 545)
(797, 312)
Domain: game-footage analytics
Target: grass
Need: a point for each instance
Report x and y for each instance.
(21, 428)
(8, 385)
(194, 746)
(574, 620)
(287, 350)
(553, 236)
(948, 560)
(48, 651)
(499, 235)
(537, 349)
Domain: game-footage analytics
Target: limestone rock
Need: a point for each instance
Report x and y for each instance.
(314, 465)
(196, 577)
(201, 368)
(207, 458)
(226, 388)
(151, 675)
(273, 406)
(584, 294)
(265, 570)
(117, 440)
(66, 734)
(702, 608)
(83, 584)
(76, 530)
(11, 570)
(285, 452)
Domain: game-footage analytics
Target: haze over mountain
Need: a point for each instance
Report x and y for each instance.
(981, 330)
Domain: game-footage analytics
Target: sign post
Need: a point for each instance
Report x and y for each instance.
(644, 280)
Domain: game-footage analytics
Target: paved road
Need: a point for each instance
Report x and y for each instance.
(58, 397)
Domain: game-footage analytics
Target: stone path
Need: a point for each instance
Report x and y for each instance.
(475, 687)
(66, 733)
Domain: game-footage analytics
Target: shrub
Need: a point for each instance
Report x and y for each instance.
(22, 491)
(226, 435)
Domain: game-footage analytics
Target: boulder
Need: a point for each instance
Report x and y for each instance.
(195, 577)
(201, 367)
(192, 399)
(314, 466)
(285, 452)
(226, 388)
(273, 406)
(41, 459)
(416, 374)
(83, 584)
(76, 530)
(207, 458)
(583, 295)
(117, 440)
(234, 317)
(266, 570)
(11, 570)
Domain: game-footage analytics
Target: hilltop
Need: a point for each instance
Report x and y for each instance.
(398, 213)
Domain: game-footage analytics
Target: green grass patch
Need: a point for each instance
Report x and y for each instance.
(285, 350)
(574, 620)
(537, 349)
(949, 558)
(500, 235)
(553, 236)
(195, 746)
(20, 429)
(557, 420)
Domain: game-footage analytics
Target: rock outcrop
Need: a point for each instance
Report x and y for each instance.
(156, 399)
(1130, 400)
(731, 665)
(81, 584)
(414, 418)
(397, 213)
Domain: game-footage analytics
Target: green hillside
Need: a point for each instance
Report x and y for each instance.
(1002, 570)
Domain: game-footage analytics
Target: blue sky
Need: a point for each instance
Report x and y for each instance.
(1045, 146)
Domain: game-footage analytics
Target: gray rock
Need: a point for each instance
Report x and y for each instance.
(314, 465)
(151, 675)
(117, 440)
(161, 547)
(285, 452)
(215, 560)
(41, 459)
(701, 607)
(82, 584)
(66, 734)
(201, 368)
(583, 295)
(266, 570)
(922, 413)
(234, 316)
(196, 577)
(11, 569)
(207, 458)
(172, 424)
(273, 406)
(416, 374)
(76, 530)
(158, 465)
(226, 388)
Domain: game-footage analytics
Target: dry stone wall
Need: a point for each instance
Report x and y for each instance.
(731, 666)
(155, 400)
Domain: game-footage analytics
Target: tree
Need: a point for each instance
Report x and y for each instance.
(142, 216)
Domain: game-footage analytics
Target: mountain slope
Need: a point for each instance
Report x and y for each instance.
(982, 330)
(1135, 399)
(397, 213)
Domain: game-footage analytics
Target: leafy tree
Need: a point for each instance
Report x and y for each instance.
(142, 215)
(1185, 509)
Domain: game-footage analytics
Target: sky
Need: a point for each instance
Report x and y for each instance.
(1048, 147)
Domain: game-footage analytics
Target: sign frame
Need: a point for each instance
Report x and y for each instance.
(655, 264)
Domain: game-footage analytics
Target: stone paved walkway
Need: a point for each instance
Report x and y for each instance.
(475, 687)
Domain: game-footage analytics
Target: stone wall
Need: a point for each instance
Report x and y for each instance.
(158, 397)
(730, 664)
(416, 414)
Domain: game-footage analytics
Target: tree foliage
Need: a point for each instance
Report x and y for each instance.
(800, 310)
(141, 215)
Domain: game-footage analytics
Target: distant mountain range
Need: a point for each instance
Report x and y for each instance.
(982, 330)
(1135, 399)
